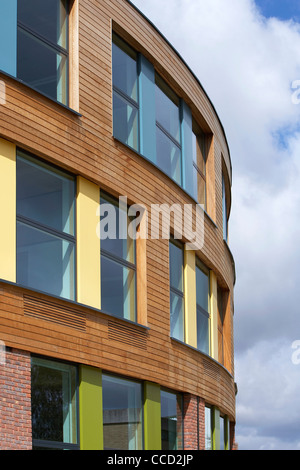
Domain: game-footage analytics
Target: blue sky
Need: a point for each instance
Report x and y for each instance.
(247, 57)
(282, 9)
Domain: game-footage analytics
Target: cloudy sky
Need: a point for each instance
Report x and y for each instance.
(246, 55)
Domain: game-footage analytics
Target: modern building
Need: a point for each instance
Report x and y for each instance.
(116, 276)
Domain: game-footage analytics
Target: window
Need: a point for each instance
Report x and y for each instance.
(208, 428)
(224, 432)
(176, 291)
(225, 220)
(42, 46)
(199, 164)
(171, 420)
(45, 228)
(54, 405)
(118, 261)
(203, 309)
(122, 414)
(221, 315)
(168, 148)
(125, 93)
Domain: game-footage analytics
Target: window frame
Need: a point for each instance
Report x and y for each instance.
(119, 260)
(176, 291)
(125, 380)
(54, 47)
(178, 396)
(171, 95)
(122, 95)
(198, 134)
(60, 365)
(200, 309)
(36, 225)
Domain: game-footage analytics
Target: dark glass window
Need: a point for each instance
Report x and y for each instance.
(45, 228)
(118, 265)
(203, 308)
(176, 290)
(199, 164)
(225, 220)
(171, 420)
(221, 317)
(168, 147)
(54, 405)
(125, 93)
(122, 414)
(42, 46)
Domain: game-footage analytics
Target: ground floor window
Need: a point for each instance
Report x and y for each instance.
(54, 405)
(122, 414)
(171, 420)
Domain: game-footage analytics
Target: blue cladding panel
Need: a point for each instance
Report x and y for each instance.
(8, 36)
(147, 109)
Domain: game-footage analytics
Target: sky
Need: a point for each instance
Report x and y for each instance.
(246, 55)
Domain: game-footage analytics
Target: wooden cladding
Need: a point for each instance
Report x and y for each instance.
(52, 312)
(126, 334)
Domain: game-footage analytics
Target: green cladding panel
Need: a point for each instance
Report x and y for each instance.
(90, 409)
(152, 416)
(8, 36)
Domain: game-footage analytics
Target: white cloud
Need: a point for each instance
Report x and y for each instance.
(247, 65)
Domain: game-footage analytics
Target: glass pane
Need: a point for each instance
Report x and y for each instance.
(125, 122)
(122, 414)
(177, 316)
(202, 332)
(124, 68)
(168, 156)
(117, 289)
(176, 266)
(45, 195)
(114, 237)
(167, 110)
(222, 434)
(41, 67)
(171, 421)
(53, 401)
(47, 18)
(45, 262)
(199, 151)
(208, 432)
(202, 289)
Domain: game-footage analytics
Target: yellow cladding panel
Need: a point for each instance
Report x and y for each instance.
(88, 243)
(190, 297)
(8, 211)
(214, 315)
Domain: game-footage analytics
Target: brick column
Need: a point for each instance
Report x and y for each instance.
(190, 417)
(15, 400)
(201, 414)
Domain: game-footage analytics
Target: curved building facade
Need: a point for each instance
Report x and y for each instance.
(116, 276)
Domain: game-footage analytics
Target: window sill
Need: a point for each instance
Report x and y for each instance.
(21, 82)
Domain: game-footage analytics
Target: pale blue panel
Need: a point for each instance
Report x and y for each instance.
(8, 36)
(147, 109)
(187, 149)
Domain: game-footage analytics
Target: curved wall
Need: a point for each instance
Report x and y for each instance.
(81, 141)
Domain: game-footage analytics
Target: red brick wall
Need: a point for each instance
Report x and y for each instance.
(190, 417)
(15, 400)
